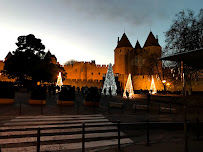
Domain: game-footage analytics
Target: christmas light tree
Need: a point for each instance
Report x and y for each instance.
(128, 88)
(152, 87)
(109, 82)
(59, 80)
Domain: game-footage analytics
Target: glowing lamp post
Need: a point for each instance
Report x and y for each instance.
(164, 83)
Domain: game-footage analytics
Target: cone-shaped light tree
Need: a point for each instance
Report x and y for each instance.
(128, 88)
(152, 87)
(59, 80)
(109, 82)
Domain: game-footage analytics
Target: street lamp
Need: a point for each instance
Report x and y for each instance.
(164, 83)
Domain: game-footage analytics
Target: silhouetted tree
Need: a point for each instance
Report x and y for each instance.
(185, 33)
(28, 62)
(70, 62)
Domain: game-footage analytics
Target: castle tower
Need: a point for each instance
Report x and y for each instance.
(152, 44)
(120, 60)
(152, 49)
(135, 60)
(8, 56)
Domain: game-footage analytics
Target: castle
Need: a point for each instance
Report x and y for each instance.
(140, 62)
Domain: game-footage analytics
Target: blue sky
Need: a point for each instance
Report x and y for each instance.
(87, 30)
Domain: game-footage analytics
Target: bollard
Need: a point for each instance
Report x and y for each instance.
(60, 107)
(83, 137)
(20, 108)
(147, 132)
(109, 108)
(77, 106)
(119, 135)
(41, 107)
(148, 108)
(38, 140)
(198, 131)
(134, 107)
(94, 107)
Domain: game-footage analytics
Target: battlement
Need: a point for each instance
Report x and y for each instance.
(82, 80)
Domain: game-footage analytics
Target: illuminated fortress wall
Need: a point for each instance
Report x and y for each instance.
(137, 61)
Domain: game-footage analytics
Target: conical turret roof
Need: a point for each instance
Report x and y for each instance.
(124, 42)
(8, 55)
(151, 40)
(137, 45)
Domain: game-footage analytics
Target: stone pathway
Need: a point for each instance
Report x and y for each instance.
(58, 133)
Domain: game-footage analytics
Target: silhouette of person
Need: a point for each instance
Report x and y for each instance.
(105, 92)
(110, 91)
(127, 94)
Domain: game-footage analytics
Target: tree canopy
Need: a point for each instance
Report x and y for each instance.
(29, 62)
(185, 33)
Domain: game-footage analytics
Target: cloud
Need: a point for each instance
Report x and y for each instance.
(119, 11)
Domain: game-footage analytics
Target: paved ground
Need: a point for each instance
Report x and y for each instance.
(165, 136)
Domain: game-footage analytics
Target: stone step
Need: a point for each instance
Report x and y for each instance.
(61, 116)
(69, 146)
(70, 130)
(59, 137)
(10, 128)
(57, 131)
(54, 122)
(56, 119)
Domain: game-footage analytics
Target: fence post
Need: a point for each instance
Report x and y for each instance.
(198, 131)
(119, 136)
(38, 140)
(185, 129)
(147, 132)
(83, 137)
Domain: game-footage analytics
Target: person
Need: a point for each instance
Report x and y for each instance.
(110, 92)
(78, 89)
(148, 98)
(127, 94)
(105, 92)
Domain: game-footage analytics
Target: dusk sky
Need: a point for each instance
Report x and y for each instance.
(87, 30)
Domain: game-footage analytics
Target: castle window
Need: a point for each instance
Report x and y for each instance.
(99, 73)
(92, 73)
(120, 50)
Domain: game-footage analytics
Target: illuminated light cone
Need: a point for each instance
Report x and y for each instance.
(59, 80)
(152, 87)
(128, 88)
(110, 82)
